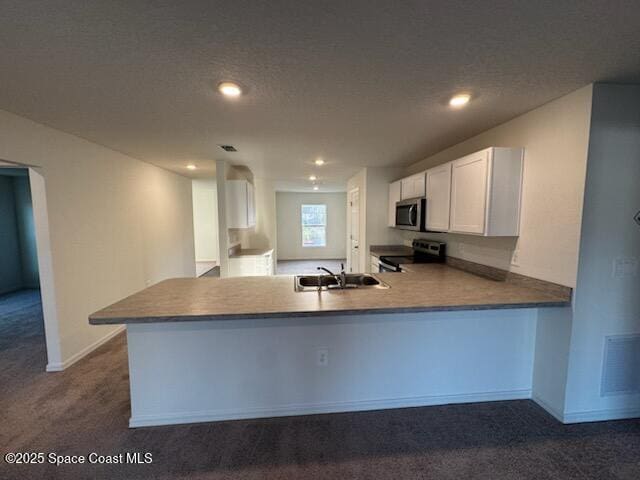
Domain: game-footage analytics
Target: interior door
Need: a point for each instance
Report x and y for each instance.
(354, 234)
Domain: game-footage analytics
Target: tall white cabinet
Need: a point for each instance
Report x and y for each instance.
(486, 189)
(438, 189)
(241, 209)
(394, 197)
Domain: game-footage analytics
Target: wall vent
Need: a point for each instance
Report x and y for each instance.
(621, 367)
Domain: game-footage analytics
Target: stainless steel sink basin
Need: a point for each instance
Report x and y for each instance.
(314, 283)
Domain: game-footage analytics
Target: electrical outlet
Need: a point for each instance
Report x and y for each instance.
(322, 357)
(148, 283)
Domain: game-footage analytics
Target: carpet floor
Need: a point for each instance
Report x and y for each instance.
(86, 408)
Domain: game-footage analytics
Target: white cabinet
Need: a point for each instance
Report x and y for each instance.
(251, 265)
(241, 209)
(486, 191)
(374, 264)
(394, 196)
(438, 193)
(412, 187)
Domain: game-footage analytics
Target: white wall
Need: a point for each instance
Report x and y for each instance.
(116, 224)
(288, 208)
(555, 138)
(266, 367)
(606, 304)
(205, 220)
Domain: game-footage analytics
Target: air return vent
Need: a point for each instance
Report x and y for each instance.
(228, 148)
(620, 373)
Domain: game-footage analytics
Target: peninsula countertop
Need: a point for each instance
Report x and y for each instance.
(436, 287)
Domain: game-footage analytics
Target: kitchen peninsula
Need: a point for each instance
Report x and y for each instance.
(215, 349)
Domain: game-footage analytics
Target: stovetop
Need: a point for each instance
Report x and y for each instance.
(403, 260)
(424, 251)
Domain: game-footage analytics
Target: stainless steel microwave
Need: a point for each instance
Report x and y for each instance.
(410, 214)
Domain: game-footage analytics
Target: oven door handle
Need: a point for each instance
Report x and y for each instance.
(392, 268)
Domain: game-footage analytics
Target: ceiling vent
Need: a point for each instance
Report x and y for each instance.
(228, 148)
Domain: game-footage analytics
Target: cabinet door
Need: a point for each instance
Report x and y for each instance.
(438, 197)
(469, 193)
(251, 206)
(236, 203)
(418, 185)
(394, 196)
(406, 188)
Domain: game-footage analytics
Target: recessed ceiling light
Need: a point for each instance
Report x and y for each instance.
(316, 187)
(191, 166)
(460, 100)
(313, 178)
(230, 89)
(319, 162)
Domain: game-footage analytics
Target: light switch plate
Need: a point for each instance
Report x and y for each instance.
(625, 267)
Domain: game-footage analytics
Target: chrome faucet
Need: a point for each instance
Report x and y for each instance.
(341, 278)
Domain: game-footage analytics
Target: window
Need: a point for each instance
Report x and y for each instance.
(314, 225)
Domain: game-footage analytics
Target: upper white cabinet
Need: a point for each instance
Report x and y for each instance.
(438, 183)
(486, 191)
(241, 210)
(412, 187)
(394, 196)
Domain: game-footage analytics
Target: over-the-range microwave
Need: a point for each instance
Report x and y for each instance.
(410, 214)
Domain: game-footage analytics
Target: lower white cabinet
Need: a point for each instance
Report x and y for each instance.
(486, 189)
(438, 180)
(375, 264)
(251, 265)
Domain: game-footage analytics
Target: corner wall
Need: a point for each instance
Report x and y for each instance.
(116, 225)
(607, 299)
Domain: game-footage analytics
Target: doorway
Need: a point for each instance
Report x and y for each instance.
(21, 320)
(354, 230)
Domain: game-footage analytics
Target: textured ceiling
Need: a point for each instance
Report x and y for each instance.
(360, 83)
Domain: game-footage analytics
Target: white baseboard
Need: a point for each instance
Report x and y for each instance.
(558, 415)
(310, 409)
(602, 415)
(59, 366)
(589, 415)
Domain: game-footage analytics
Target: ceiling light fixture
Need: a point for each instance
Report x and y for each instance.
(191, 166)
(313, 178)
(316, 187)
(319, 162)
(230, 89)
(460, 100)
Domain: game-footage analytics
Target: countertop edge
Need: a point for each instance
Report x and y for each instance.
(325, 313)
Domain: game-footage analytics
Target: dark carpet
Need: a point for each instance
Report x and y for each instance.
(86, 408)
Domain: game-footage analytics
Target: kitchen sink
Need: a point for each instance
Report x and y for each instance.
(314, 283)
